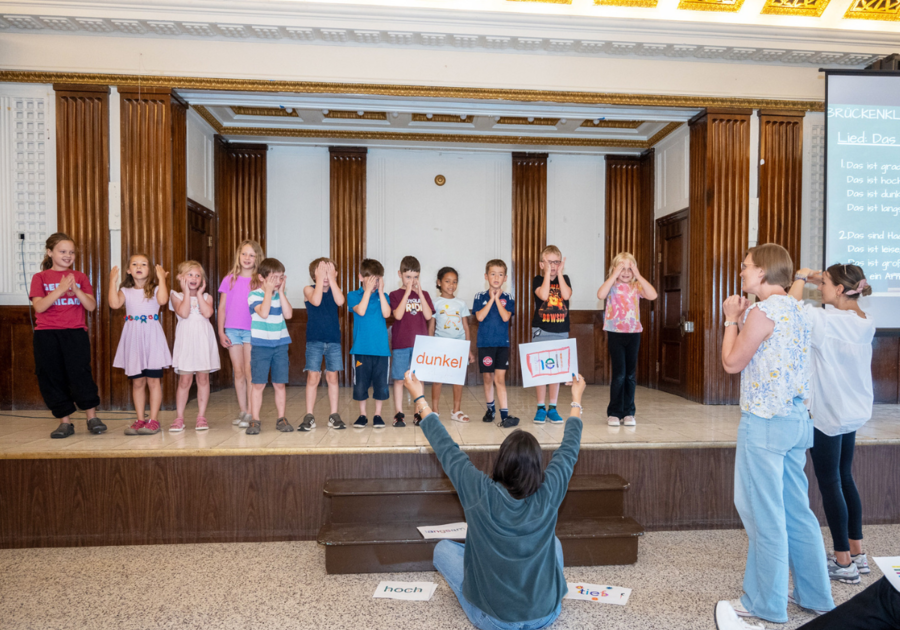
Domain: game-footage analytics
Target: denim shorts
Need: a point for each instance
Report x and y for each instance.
(401, 359)
(316, 350)
(264, 358)
(237, 336)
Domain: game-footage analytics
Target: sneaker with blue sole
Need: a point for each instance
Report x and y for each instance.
(553, 416)
(541, 416)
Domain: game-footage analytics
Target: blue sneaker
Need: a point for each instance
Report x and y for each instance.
(361, 423)
(377, 423)
(554, 417)
(541, 416)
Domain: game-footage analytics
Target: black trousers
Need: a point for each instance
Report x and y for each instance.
(832, 459)
(62, 360)
(876, 608)
(623, 355)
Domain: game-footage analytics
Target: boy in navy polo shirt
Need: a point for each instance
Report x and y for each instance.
(370, 353)
(493, 309)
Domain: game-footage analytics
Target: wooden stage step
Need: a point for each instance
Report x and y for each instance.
(372, 523)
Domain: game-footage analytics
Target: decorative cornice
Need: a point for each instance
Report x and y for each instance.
(647, 4)
(883, 10)
(206, 115)
(525, 120)
(804, 8)
(726, 6)
(662, 133)
(240, 110)
(428, 91)
(440, 118)
(613, 124)
(357, 115)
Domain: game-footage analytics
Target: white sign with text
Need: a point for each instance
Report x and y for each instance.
(890, 566)
(410, 591)
(454, 531)
(548, 362)
(440, 360)
(599, 593)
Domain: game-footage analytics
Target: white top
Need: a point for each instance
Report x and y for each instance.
(841, 383)
(448, 317)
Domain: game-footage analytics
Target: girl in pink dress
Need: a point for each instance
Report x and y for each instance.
(143, 350)
(195, 351)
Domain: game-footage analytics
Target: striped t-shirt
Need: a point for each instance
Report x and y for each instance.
(271, 331)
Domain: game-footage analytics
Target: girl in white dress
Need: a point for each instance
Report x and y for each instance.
(196, 350)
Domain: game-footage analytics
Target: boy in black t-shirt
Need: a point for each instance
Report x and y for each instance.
(552, 291)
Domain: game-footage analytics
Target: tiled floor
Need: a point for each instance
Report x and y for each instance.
(664, 421)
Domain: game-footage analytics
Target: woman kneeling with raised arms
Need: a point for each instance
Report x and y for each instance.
(509, 574)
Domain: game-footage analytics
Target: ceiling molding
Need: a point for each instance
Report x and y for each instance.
(881, 10)
(440, 118)
(802, 8)
(644, 4)
(724, 6)
(358, 115)
(279, 112)
(613, 124)
(427, 91)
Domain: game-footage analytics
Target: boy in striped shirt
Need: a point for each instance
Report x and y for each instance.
(269, 308)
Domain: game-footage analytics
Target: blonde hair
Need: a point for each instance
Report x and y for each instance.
(187, 265)
(152, 280)
(52, 242)
(496, 262)
(622, 257)
(550, 249)
(236, 268)
(776, 263)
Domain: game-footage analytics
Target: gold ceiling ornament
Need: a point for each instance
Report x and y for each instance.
(441, 118)
(356, 115)
(411, 91)
(613, 124)
(524, 120)
(240, 110)
(885, 10)
(440, 180)
(727, 6)
(648, 4)
(804, 8)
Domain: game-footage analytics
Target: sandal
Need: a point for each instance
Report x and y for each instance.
(283, 425)
(253, 427)
(177, 426)
(201, 424)
(459, 416)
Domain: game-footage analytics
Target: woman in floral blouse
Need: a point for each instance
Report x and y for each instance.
(768, 342)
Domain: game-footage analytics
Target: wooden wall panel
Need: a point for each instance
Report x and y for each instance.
(18, 384)
(529, 237)
(886, 369)
(630, 228)
(719, 214)
(240, 181)
(781, 180)
(82, 190)
(348, 232)
(154, 195)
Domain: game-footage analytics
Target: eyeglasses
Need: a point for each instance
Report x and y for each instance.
(554, 262)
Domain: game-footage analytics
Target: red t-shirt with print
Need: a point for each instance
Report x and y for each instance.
(67, 311)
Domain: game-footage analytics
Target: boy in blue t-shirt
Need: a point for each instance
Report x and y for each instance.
(370, 353)
(493, 309)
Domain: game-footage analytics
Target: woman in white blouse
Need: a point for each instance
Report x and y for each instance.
(840, 402)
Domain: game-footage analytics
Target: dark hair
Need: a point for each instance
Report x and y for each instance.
(443, 272)
(849, 277)
(518, 465)
(410, 263)
(52, 242)
(314, 265)
(267, 267)
(371, 267)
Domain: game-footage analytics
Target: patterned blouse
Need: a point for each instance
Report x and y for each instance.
(779, 372)
(621, 313)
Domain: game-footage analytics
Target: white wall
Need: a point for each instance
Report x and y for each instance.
(298, 212)
(462, 224)
(27, 184)
(200, 161)
(576, 222)
(673, 172)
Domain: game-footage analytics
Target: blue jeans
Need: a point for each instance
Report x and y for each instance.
(331, 352)
(771, 495)
(448, 560)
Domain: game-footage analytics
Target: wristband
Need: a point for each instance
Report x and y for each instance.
(418, 399)
(799, 277)
(576, 405)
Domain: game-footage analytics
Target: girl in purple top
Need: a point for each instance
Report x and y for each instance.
(234, 321)
(143, 350)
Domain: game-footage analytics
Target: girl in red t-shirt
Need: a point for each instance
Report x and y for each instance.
(62, 349)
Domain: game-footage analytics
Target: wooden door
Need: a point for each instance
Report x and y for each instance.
(671, 257)
(202, 247)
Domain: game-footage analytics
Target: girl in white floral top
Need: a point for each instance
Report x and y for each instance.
(772, 354)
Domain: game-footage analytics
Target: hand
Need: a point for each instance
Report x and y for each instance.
(413, 385)
(734, 307)
(379, 284)
(806, 272)
(183, 283)
(202, 288)
(114, 276)
(471, 358)
(408, 285)
(271, 284)
(161, 273)
(321, 272)
(562, 267)
(330, 272)
(816, 278)
(370, 283)
(634, 269)
(67, 283)
(417, 287)
(622, 266)
(283, 283)
(224, 340)
(578, 387)
(495, 293)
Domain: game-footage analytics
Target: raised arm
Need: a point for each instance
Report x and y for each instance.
(607, 286)
(114, 296)
(336, 292)
(481, 313)
(559, 470)
(162, 292)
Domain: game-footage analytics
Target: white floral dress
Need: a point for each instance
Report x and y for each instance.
(780, 370)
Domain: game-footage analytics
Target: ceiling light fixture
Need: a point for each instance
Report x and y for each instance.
(429, 116)
(562, 121)
(395, 114)
(360, 113)
(531, 119)
(325, 111)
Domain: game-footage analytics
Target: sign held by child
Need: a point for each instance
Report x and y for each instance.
(547, 362)
(440, 360)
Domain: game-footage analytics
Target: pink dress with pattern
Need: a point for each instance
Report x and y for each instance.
(622, 313)
(143, 344)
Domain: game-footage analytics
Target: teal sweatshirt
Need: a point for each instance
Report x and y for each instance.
(510, 567)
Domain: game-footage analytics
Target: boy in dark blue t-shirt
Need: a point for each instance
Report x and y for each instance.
(493, 309)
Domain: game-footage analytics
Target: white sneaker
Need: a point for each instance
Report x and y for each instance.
(727, 618)
(245, 420)
(629, 421)
(848, 574)
(862, 563)
(612, 421)
(812, 610)
(239, 419)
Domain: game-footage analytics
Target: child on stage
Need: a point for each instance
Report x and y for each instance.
(493, 309)
(451, 321)
(552, 291)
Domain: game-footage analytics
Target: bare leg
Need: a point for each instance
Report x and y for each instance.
(436, 396)
(236, 353)
(500, 384)
(457, 398)
(139, 394)
(256, 396)
(280, 398)
(398, 396)
(855, 547)
(842, 557)
(90, 413)
(554, 394)
(248, 379)
(202, 394)
(541, 391)
(181, 394)
(155, 388)
(312, 383)
(68, 419)
(488, 387)
(334, 391)
(362, 407)
(378, 404)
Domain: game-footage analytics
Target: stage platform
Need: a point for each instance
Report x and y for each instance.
(224, 486)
